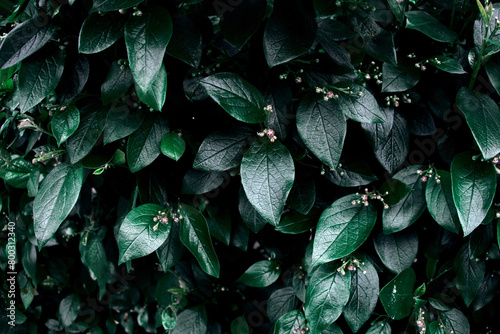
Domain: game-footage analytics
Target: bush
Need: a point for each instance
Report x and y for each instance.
(314, 166)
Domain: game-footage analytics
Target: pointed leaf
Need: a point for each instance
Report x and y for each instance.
(295, 222)
(303, 195)
(398, 79)
(155, 96)
(68, 309)
(289, 322)
(267, 174)
(360, 105)
(121, 122)
(397, 250)
(173, 146)
(470, 274)
(456, 321)
(252, 219)
(397, 295)
(185, 43)
(261, 274)
(192, 320)
(95, 257)
(170, 252)
(64, 123)
(198, 182)
(447, 64)
(100, 31)
(116, 84)
(430, 26)
(281, 302)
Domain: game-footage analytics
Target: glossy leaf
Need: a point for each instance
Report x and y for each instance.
(470, 274)
(197, 182)
(322, 127)
(64, 123)
(140, 234)
(267, 175)
(303, 195)
(454, 320)
(473, 186)
(289, 322)
(56, 198)
(430, 26)
(146, 38)
(398, 79)
(171, 251)
(360, 105)
(447, 64)
(397, 295)
(342, 228)
(121, 122)
(195, 235)
(186, 40)
(261, 274)
(351, 173)
(326, 296)
(397, 250)
(95, 257)
(380, 327)
(295, 222)
(116, 84)
(99, 32)
(236, 96)
(280, 302)
(68, 309)
(173, 146)
(252, 219)
(191, 320)
(393, 191)
(155, 96)
(483, 117)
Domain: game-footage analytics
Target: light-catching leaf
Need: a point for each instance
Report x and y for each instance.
(360, 105)
(99, 32)
(68, 309)
(261, 274)
(173, 146)
(398, 79)
(140, 233)
(430, 26)
(55, 200)
(281, 302)
(397, 295)
(155, 96)
(116, 84)
(192, 320)
(65, 122)
(397, 250)
(95, 258)
(289, 322)
(470, 274)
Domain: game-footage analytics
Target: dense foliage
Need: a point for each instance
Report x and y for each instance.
(310, 167)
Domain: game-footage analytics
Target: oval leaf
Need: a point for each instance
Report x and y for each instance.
(397, 295)
(430, 26)
(64, 123)
(99, 32)
(261, 274)
(397, 250)
(173, 146)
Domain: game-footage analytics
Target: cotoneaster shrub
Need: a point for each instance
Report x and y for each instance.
(250, 166)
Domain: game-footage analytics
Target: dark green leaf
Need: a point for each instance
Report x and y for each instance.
(261, 274)
(447, 64)
(379, 133)
(236, 96)
(335, 30)
(140, 233)
(194, 234)
(493, 71)
(342, 228)
(170, 252)
(455, 321)
(397, 250)
(337, 53)
(25, 39)
(440, 203)
(289, 322)
(64, 123)
(185, 43)
(299, 284)
(68, 309)
(473, 185)
(116, 84)
(155, 96)
(240, 236)
(381, 47)
(381, 327)
(29, 260)
(73, 80)
(252, 219)
(303, 195)
(55, 200)
(398, 79)
(397, 295)
(351, 172)
(95, 257)
(360, 105)
(483, 117)
(219, 224)
(364, 296)
(121, 122)
(100, 31)
(222, 151)
(240, 22)
(470, 274)
(326, 296)
(295, 222)
(144, 145)
(322, 127)
(267, 175)
(15, 171)
(332, 329)
(173, 146)
(430, 26)
(111, 5)
(289, 32)
(398, 8)
(38, 77)
(393, 191)
(281, 302)
(401, 215)
(192, 320)
(198, 182)
(92, 121)
(239, 326)
(146, 38)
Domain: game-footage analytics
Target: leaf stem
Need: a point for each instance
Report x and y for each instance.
(478, 64)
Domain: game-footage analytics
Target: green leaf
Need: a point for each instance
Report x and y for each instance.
(64, 123)
(144, 145)
(267, 174)
(236, 96)
(29, 261)
(401, 215)
(440, 203)
(140, 234)
(289, 32)
(351, 172)
(95, 257)
(222, 150)
(473, 185)
(68, 309)
(239, 326)
(155, 96)
(380, 327)
(219, 224)
(429, 26)
(171, 251)
(360, 105)
(194, 234)
(281, 302)
(295, 222)
(493, 71)
(242, 21)
(381, 47)
(111, 5)
(483, 117)
(38, 77)
(185, 43)
(397, 250)
(394, 191)
(116, 84)
(322, 126)
(398, 78)
(364, 296)
(398, 8)
(146, 38)
(332, 329)
(470, 274)
(397, 295)
(100, 31)
(192, 320)
(55, 200)
(252, 219)
(121, 122)
(261, 274)
(198, 182)
(81, 142)
(447, 64)
(15, 171)
(342, 228)
(302, 195)
(25, 39)
(299, 284)
(289, 322)
(456, 321)
(326, 296)
(173, 146)
(168, 319)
